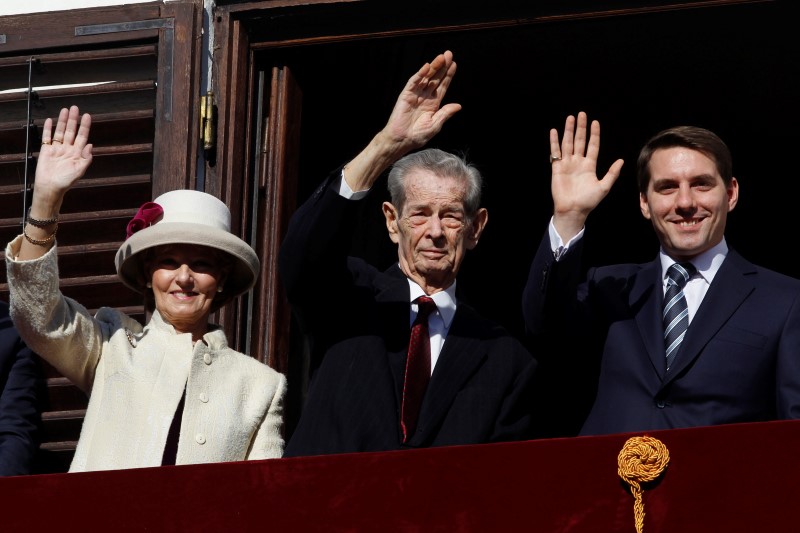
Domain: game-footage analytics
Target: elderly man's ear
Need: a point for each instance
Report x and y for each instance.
(390, 212)
(476, 228)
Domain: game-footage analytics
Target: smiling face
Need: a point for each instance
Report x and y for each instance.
(185, 279)
(687, 201)
(433, 231)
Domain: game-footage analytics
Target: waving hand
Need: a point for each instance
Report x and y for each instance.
(63, 159)
(575, 187)
(418, 115)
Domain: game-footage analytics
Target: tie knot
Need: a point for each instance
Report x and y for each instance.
(426, 307)
(680, 273)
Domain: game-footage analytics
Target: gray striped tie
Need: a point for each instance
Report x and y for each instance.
(676, 312)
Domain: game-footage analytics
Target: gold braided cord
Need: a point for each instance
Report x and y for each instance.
(641, 460)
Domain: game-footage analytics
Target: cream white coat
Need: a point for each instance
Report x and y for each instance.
(135, 377)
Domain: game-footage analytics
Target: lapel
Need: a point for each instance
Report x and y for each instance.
(392, 295)
(646, 300)
(734, 281)
(461, 354)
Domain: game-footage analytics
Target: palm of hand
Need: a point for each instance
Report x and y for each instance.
(575, 185)
(418, 114)
(60, 165)
(414, 118)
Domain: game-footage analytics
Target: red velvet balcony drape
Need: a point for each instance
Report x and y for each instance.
(736, 478)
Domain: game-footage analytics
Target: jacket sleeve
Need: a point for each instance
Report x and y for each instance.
(554, 299)
(22, 387)
(515, 419)
(59, 329)
(268, 442)
(314, 266)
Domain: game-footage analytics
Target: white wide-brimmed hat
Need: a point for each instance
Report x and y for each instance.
(186, 217)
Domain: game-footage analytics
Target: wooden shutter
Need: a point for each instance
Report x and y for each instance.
(132, 68)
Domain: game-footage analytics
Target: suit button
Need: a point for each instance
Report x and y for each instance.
(203, 397)
(661, 404)
(207, 358)
(200, 438)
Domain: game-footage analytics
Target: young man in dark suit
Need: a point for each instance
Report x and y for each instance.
(361, 397)
(723, 348)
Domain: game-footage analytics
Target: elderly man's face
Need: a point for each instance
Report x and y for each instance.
(432, 231)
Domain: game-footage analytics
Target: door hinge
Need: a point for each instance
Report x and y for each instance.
(208, 121)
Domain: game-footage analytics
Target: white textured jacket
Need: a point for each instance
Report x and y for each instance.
(135, 377)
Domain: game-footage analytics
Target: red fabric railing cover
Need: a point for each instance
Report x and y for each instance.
(735, 478)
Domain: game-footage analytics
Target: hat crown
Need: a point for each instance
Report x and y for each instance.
(186, 217)
(194, 207)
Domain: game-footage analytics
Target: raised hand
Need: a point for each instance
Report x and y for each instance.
(65, 154)
(63, 158)
(418, 115)
(574, 185)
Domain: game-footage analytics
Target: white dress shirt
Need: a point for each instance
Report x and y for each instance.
(440, 320)
(707, 265)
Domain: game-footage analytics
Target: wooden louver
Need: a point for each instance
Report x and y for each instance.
(118, 87)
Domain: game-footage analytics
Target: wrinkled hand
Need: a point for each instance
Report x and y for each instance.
(417, 116)
(65, 154)
(575, 187)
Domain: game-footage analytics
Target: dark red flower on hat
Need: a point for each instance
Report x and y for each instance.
(148, 214)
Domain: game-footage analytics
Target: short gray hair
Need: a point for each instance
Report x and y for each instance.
(442, 164)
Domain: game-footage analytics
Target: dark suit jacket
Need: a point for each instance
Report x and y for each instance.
(739, 361)
(20, 387)
(358, 320)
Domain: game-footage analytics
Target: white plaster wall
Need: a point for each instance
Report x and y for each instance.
(18, 7)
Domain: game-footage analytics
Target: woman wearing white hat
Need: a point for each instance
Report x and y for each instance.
(169, 392)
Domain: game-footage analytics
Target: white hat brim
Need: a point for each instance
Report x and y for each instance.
(129, 258)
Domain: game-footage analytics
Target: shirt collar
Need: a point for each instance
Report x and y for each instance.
(445, 300)
(215, 338)
(707, 263)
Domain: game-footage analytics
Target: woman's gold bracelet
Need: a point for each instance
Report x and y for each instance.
(40, 242)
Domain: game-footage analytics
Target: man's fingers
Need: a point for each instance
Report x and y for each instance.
(445, 113)
(594, 141)
(580, 135)
(439, 62)
(555, 149)
(613, 173)
(567, 141)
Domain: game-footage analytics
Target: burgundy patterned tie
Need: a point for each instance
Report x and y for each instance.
(418, 368)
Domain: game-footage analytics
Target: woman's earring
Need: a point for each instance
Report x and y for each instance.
(149, 285)
(220, 289)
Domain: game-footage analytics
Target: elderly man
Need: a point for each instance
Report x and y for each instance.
(469, 381)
